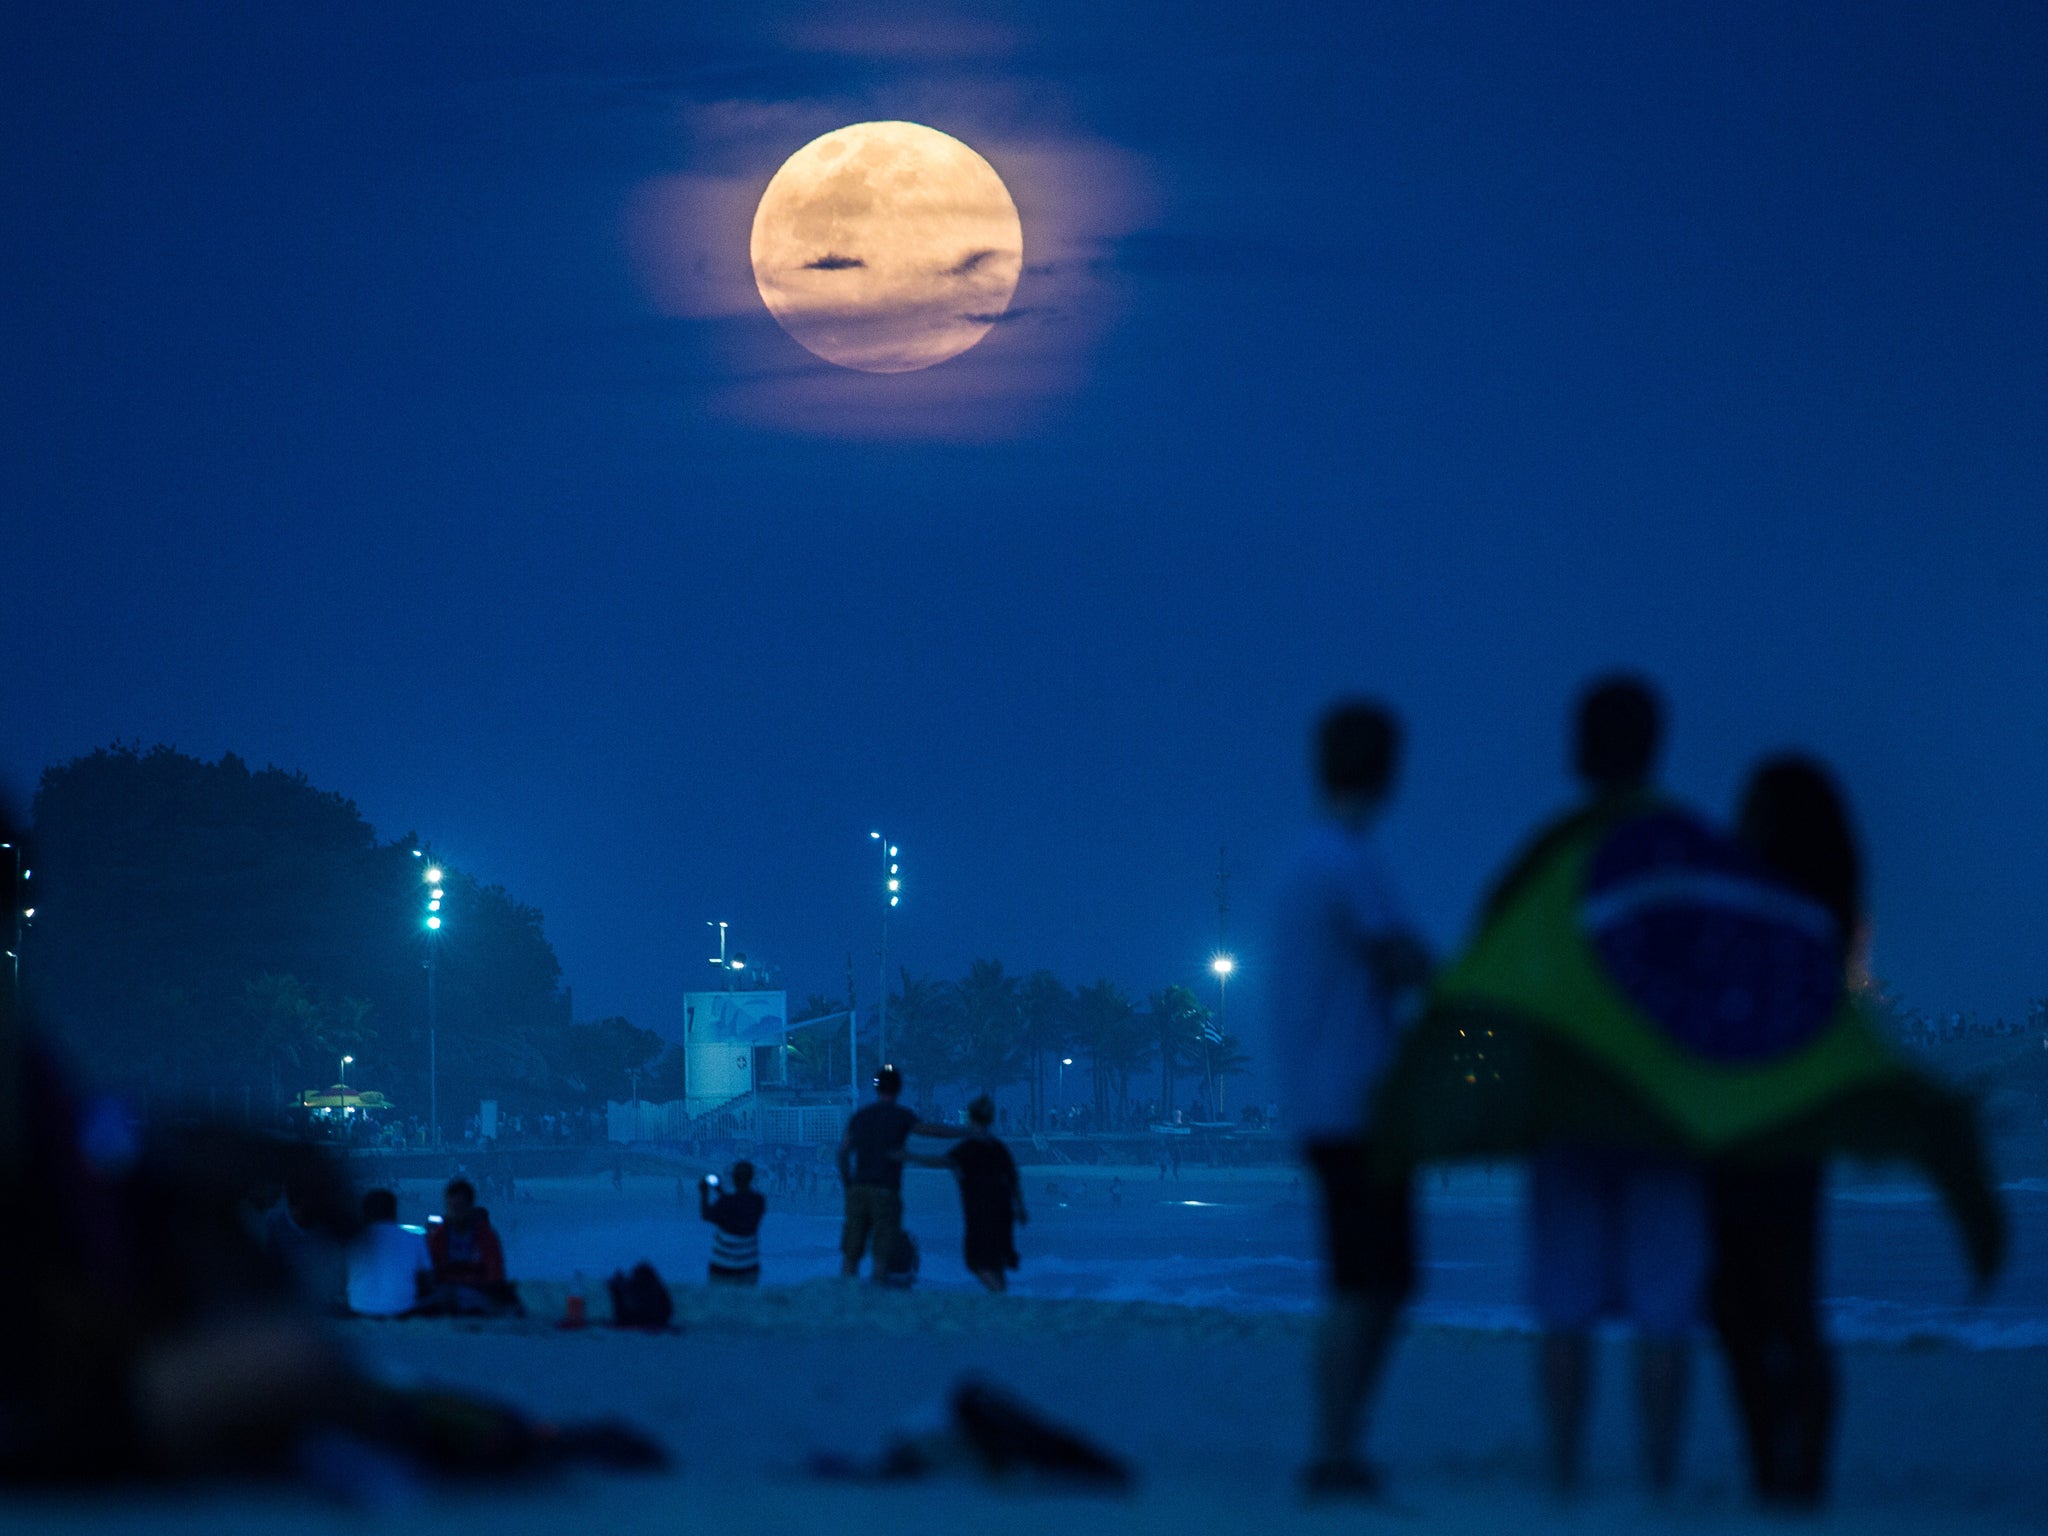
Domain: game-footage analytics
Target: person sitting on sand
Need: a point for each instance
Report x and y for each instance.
(298, 1241)
(991, 1195)
(871, 1169)
(1355, 959)
(735, 1215)
(388, 1266)
(468, 1260)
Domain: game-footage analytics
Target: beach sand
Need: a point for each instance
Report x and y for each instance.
(1208, 1405)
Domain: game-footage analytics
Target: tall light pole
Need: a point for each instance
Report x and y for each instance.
(15, 911)
(1065, 1062)
(435, 895)
(1222, 965)
(727, 965)
(892, 890)
(344, 1067)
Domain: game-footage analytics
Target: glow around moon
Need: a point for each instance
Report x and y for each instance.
(887, 247)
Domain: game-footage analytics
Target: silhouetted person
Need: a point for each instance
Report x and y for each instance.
(1766, 1218)
(735, 1216)
(871, 1169)
(388, 1266)
(1352, 961)
(991, 1196)
(468, 1260)
(294, 1236)
(1611, 1228)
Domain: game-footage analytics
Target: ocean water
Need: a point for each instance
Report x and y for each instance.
(1893, 1270)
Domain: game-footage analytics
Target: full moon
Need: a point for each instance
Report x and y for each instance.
(887, 247)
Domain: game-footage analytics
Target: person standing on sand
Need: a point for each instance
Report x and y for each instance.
(871, 1170)
(991, 1195)
(1764, 1282)
(1355, 961)
(1610, 1227)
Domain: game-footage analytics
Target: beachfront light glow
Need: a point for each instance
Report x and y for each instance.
(433, 922)
(433, 906)
(1223, 965)
(437, 893)
(434, 876)
(894, 899)
(895, 885)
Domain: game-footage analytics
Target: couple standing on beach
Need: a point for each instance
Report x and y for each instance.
(1656, 1014)
(872, 1155)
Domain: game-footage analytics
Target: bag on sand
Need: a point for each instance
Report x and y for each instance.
(639, 1299)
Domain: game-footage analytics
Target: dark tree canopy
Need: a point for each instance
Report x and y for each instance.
(205, 928)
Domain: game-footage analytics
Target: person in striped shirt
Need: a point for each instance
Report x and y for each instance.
(735, 1214)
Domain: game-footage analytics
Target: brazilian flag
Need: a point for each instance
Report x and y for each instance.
(1640, 980)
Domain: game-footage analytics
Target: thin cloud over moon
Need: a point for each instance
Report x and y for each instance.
(1077, 197)
(910, 200)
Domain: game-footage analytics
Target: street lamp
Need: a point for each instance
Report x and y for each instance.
(20, 916)
(344, 1067)
(1065, 1062)
(892, 890)
(436, 893)
(1223, 966)
(727, 964)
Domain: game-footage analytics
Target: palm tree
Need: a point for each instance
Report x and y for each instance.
(1048, 1010)
(991, 1026)
(923, 1043)
(1116, 1039)
(1177, 1020)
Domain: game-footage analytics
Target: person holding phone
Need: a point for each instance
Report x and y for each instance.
(735, 1216)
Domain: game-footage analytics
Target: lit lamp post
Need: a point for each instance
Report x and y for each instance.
(20, 915)
(344, 1067)
(728, 965)
(1222, 965)
(431, 875)
(1065, 1062)
(892, 890)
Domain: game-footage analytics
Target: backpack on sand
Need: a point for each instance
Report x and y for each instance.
(639, 1299)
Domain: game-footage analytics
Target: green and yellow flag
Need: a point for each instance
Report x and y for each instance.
(1641, 982)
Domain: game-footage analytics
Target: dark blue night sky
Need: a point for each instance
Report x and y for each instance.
(356, 423)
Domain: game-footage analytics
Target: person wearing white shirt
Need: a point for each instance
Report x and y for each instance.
(386, 1262)
(1353, 963)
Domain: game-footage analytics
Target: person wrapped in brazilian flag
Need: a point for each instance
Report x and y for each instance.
(1646, 982)
(1651, 1003)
